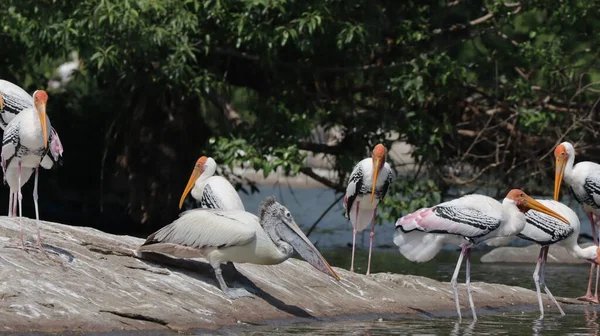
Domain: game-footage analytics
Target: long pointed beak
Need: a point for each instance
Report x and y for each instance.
(375, 174)
(42, 113)
(532, 204)
(597, 256)
(558, 176)
(294, 236)
(195, 175)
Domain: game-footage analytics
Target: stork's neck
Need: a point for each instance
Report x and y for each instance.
(568, 174)
(209, 171)
(514, 219)
(582, 253)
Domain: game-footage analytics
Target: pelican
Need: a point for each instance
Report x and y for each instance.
(25, 141)
(545, 230)
(213, 192)
(584, 180)
(465, 222)
(367, 186)
(238, 236)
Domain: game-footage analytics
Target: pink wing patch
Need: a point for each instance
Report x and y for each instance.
(415, 220)
(56, 148)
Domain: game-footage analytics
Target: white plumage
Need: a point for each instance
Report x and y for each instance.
(584, 181)
(465, 222)
(211, 192)
(237, 236)
(367, 186)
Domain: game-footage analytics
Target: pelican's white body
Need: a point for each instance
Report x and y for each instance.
(422, 246)
(246, 240)
(222, 193)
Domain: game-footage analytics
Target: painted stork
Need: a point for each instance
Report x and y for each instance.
(15, 100)
(465, 222)
(25, 141)
(237, 236)
(367, 186)
(584, 181)
(212, 192)
(545, 231)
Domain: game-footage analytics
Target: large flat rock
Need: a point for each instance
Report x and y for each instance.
(529, 254)
(95, 283)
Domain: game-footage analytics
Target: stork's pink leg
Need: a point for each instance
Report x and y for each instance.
(536, 281)
(20, 198)
(354, 237)
(37, 213)
(543, 281)
(371, 235)
(588, 295)
(10, 204)
(15, 202)
(468, 283)
(454, 281)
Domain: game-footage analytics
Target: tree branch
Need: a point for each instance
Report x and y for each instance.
(311, 173)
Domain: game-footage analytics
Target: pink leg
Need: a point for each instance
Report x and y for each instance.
(20, 198)
(354, 237)
(371, 240)
(588, 295)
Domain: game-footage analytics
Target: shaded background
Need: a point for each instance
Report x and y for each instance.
(481, 93)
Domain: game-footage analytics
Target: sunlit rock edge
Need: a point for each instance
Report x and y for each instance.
(90, 281)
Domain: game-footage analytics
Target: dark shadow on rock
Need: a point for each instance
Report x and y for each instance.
(195, 268)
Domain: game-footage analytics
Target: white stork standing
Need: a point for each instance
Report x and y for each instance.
(545, 231)
(237, 236)
(367, 186)
(465, 222)
(584, 181)
(212, 192)
(25, 141)
(13, 99)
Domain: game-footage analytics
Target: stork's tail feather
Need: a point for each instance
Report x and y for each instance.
(417, 245)
(411, 221)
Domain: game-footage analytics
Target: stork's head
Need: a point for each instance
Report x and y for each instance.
(199, 168)
(378, 162)
(40, 99)
(525, 203)
(562, 153)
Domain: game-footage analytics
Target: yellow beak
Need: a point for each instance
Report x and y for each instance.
(195, 175)
(558, 176)
(375, 174)
(42, 113)
(532, 204)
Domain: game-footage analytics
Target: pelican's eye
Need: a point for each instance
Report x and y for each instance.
(288, 215)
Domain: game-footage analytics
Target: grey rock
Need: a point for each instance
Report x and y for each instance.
(89, 280)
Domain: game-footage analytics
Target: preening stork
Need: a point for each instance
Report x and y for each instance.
(545, 231)
(212, 192)
(367, 186)
(25, 142)
(238, 236)
(465, 222)
(584, 181)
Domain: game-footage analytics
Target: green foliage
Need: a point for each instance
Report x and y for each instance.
(480, 90)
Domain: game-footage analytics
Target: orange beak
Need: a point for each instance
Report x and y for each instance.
(558, 176)
(530, 203)
(42, 112)
(1, 102)
(198, 169)
(375, 174)
(598, 256)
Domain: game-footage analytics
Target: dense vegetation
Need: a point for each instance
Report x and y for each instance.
(482, 90)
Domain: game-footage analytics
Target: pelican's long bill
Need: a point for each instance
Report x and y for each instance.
(560, 171)
(291, 233)
(530, 203)
(198, 169)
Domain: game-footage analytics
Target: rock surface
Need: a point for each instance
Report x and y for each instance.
(92, 282)
(529, 254)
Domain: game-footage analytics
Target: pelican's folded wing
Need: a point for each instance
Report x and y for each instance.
(208, 228)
